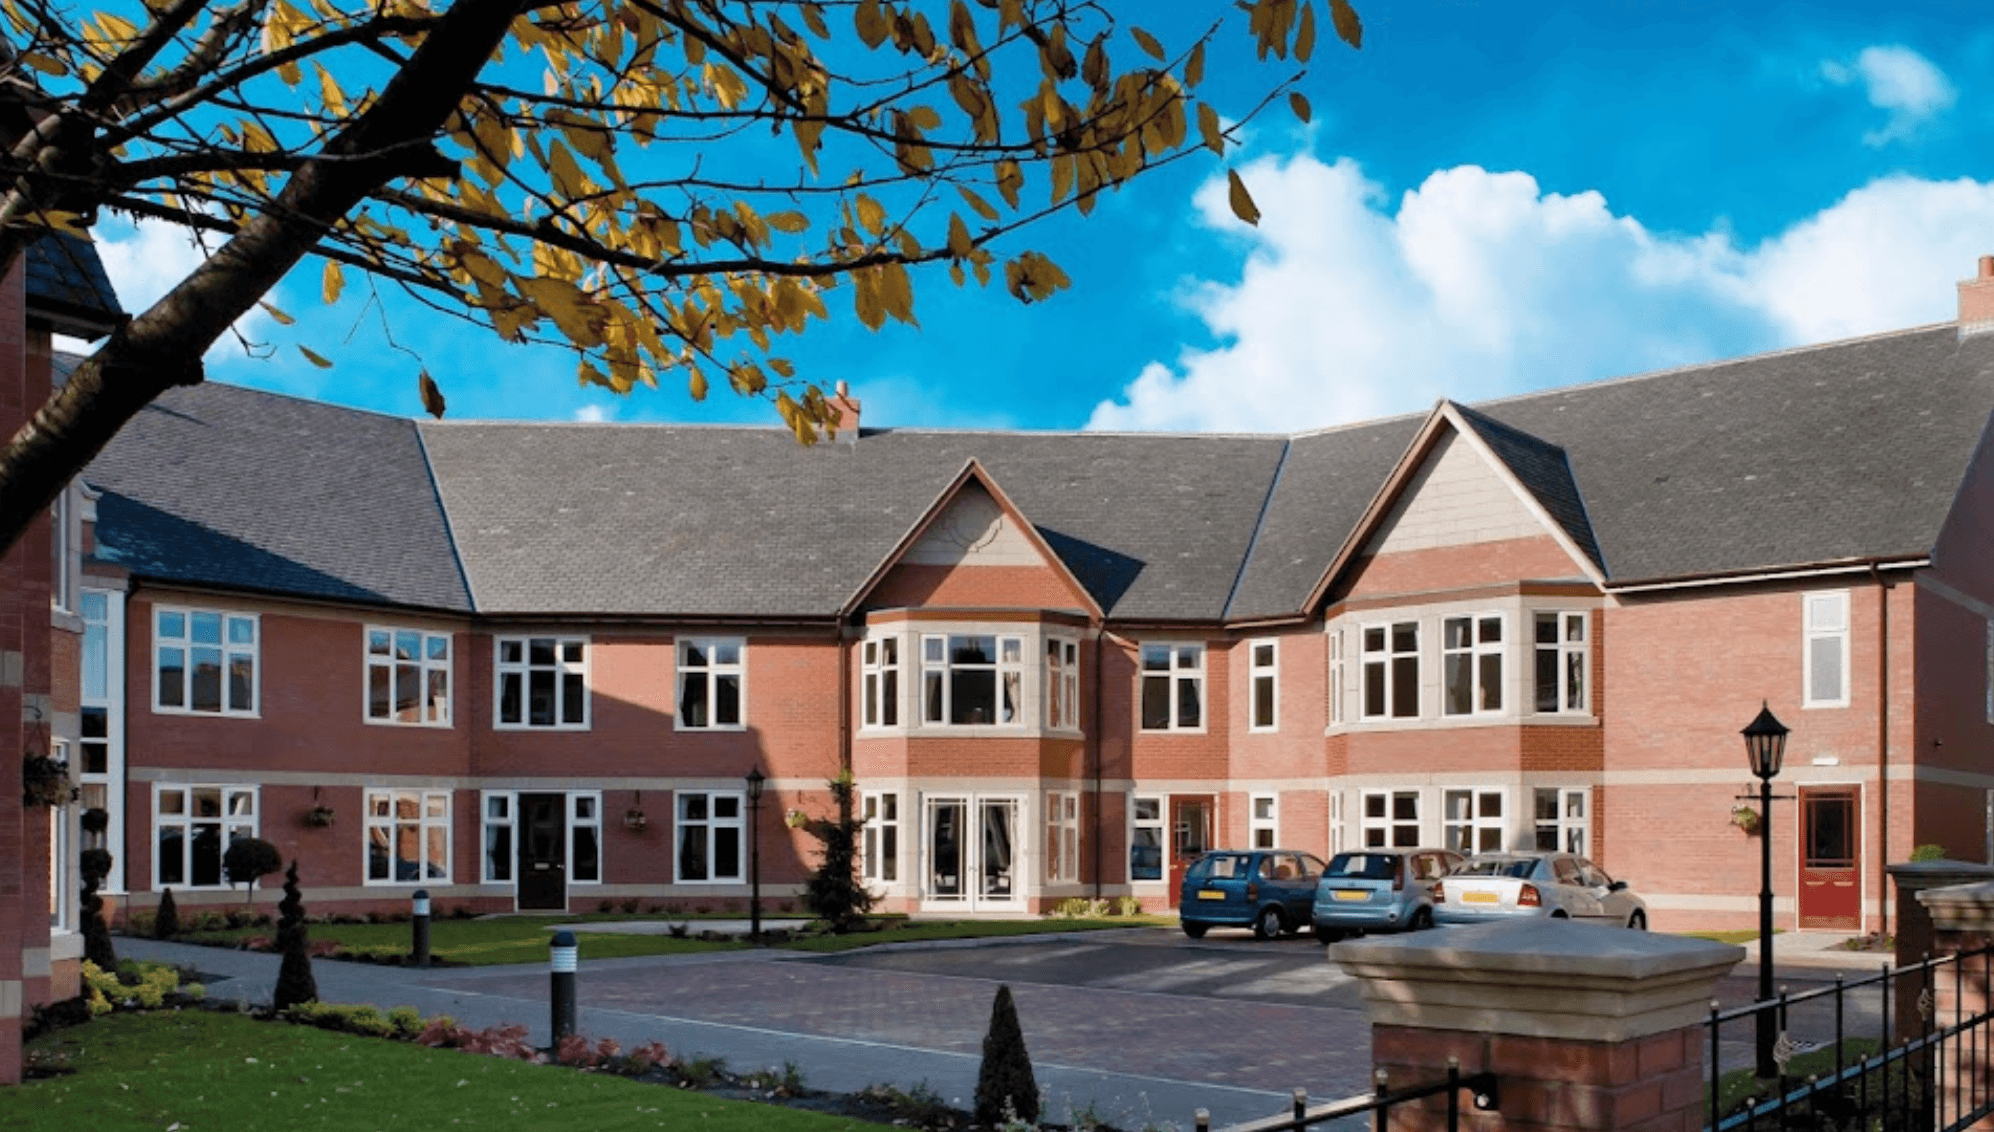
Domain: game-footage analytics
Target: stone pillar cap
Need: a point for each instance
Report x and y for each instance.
(1960, 907)
(1941, 867)
(1539, 977)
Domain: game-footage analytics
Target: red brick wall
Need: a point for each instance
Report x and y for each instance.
(24, 632)
(913, 584)
(1446, 567)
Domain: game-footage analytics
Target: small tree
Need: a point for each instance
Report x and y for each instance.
(295, 982)
(834, 892)
(95, 864)
(1005, 1089)
(249, 859)
(166, 922)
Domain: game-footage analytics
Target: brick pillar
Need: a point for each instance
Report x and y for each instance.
(1962, 919)
(1916, 936)
(24, 621)
(1586, 1027)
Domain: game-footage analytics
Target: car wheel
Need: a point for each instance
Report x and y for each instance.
(1195, 931)
(1637, 922)
(1422, 919)
(1328, 935)
(1560, 915)
(1268, 924)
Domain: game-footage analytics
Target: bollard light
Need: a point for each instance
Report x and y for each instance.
(419, 928)
(561, 989)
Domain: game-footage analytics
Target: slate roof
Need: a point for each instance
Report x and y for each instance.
(67, 285)
(1846, 451)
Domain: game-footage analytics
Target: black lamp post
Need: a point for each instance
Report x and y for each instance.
(1765, 746)
(755, 781)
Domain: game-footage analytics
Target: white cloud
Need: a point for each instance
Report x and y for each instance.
(592, 414)
(1899, 80)
(147, 258)
(1480, 284)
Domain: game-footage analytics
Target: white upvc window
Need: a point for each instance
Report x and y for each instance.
(882, 837)
(1562, 819)
(1264, 685)
(1826, 659)
(1062, 836)
(1337, 835)
(585, 837)
(60, 859)
(1391, 818)
(1391, 670)
(542, 683)
(711, 848)
(498, 835)
(192, 827)
(1561, 654)
(1062, 684)
(1145, 838)
(204, 661)
(972, 679)
(1472, 820)
(1338, 676)
(407, 836)
(408, 676)
(712, 683)
(1263, 821)
(1990, 672)
(1471, 664)
(63, 571)
(882, 682)
(1173, 687)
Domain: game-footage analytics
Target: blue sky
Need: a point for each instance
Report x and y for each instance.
(1492, 198)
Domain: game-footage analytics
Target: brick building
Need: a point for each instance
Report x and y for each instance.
(528, 665)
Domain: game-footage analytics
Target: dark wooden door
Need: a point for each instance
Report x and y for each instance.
(543, 852)
(1830, 858)
(1190, 835)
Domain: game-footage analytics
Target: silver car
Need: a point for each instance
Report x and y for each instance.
(1558, 885)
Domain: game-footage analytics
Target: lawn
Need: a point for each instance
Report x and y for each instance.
(194, 1070)
(1739, 1084)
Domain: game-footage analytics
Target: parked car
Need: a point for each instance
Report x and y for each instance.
(1379, 890)
(1558, 885)
(1267, 890)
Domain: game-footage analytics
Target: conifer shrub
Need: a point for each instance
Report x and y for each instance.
(1005, 1089)
(95, 864)
(166, 921)
(834, 893)
(295, 982)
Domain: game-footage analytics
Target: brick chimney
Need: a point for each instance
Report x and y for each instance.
(1976, 300)
(846, 406)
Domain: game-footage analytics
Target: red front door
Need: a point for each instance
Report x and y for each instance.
(1190, 835)
(1830, 858)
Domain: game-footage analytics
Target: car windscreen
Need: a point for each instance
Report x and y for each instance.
(1221, 866)
(1496, 868)
(1364, 866)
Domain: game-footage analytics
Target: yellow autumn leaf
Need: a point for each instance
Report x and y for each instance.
(1149, 43)
(790, 222)
(1241, 201)
(1208, 125)
(271, 310)
(315, 358)
(333, 283)
(1305, 35)
(1299, 104)
(1348, 27)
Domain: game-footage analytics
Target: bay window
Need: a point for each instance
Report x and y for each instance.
(882, 682)
(1561, 663)
(1062, 684)
(1391, 670)
(1471, 652)
(971, 679)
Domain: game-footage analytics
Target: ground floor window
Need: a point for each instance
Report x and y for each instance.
(1471, 821)
(1145, 838)
(1391, 818)
(498, 837)
(882, 837)
(1263, 826)
(1336, 833)
(970, 844)
(1062, 836)
(192, 827)
(1563, 818)
(710, 845)
(408, 836)
(585, 838)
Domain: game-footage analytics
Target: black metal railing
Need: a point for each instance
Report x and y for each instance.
(1481, 1089)
(1923, 1070)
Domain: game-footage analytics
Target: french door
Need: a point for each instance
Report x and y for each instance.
(970, 850)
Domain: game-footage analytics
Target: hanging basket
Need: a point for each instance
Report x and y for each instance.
(319, 817)
(635, 821)
(1745, 818)
(45, 782)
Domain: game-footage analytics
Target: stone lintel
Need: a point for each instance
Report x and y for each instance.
(1539, 978)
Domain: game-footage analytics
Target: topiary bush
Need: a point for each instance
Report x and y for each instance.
(249, 859)
(834, 892)
(1005, 1089)
(95, 864)
(166, 922)
(295, 982)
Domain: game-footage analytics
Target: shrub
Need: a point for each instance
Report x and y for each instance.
(1005, 1088)
(1079, 908)
(295, 982)
(629, 906)
(353, 1018)
(1929, 853)
(406, 1020)
(95, 865)
(702, 1072)
(834, 892)
(443, 1032)
(1128, 906)
(605, 907)
(133, 986)
(166, 922)
(247, 860)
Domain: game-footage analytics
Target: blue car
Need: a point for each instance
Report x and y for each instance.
(1267, 890)
(1374, 890)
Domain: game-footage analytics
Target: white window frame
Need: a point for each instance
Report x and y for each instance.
(1813, 630)
(1386, 659)
(584, 812)
(711, 672)
(1475, 830)
(1062, 684)
(1337, 832)
(61, 859)
(1263, 821)
(881, 851)
(1564, 649)
(1570, 833)
(1989, 670)
(232, 826)
(1183, 662)
(425, 665)
(487, 824)
(1007, 668)
(230, 651)
(883, 687)
(1062, 837)
(524, 668)
(1339, 675)
(1161, 824)
(1269, 673)
(62, 540)
(391, 824)
(1473, 654)
(710, 823)
(1389, 825)
(102, 690)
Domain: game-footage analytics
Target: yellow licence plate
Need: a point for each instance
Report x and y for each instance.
(1210, 894)
(1480, 898)
(1352, 894)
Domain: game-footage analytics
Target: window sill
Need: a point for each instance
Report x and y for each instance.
(718, 728)
(540, 727)
(444, 880)
(1170, 731)
(724, 882)
(1824, 705)
(1463, 722)
(69, 621)
(191, 713)
(372, 722)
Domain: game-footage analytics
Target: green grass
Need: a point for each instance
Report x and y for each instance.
(510, 939)
(194, 1070)
(969, 929)
(1742, 935)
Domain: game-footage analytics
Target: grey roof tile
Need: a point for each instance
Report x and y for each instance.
(1544, 471)
(66, 283)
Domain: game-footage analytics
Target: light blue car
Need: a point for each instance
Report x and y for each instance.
(1379, 890)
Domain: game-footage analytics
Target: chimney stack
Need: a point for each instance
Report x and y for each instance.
(846, 422)
(1976, 301)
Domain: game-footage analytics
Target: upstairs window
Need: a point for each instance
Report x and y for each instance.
(1173, 687)
(543, 682)
(710, 676)
(1264, 676)
(408, 677)
(1471, 652)
(1062, 684)
(1826, 659)
(1391, 670)
(1337, 676)
(204, 661)
(1561, 663)
(971, 680)
(882, 682)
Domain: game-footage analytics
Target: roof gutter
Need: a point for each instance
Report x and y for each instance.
(1817, 570)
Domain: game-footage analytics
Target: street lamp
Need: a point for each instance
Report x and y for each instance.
(756, 779)
(1765, 747)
